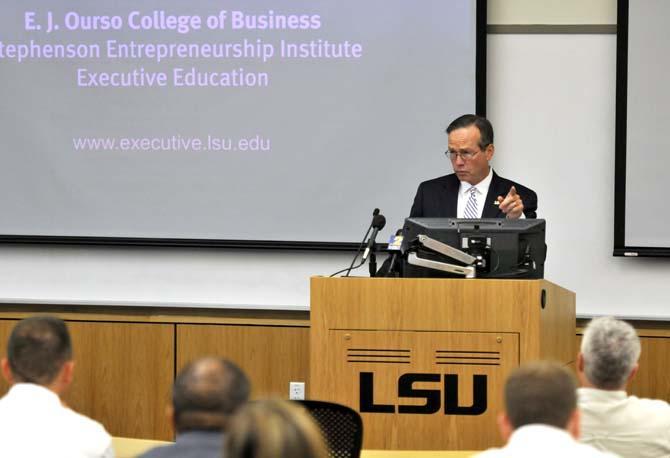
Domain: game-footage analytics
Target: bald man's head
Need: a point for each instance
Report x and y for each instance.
(206, 392)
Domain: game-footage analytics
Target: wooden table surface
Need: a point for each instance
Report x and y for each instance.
(129, 448)
(415, 454)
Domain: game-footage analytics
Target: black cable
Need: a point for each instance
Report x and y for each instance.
(360, 248)
(358, 252)
(494, 252)
(516, 273)
(349, 269)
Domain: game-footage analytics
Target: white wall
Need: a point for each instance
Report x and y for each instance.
(565, 12)
(551, 99)
(162, 276)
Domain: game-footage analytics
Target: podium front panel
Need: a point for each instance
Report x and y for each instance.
(421, 390)
(425, 360)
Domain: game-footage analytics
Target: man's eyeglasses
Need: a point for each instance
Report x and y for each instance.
(465, 155)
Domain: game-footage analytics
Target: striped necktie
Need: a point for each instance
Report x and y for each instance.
(471, 205)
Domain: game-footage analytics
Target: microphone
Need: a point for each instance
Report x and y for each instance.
(378, 223)
(375, 212)
(389, 268)
(395, 247)
(395, 242)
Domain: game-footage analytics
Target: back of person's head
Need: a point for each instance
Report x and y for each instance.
(610, 351)
(540, 392)
(482, 124)
(38, 348)
(273, 429)
(206, 393)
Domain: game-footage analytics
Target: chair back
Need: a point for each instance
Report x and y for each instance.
(340, 425)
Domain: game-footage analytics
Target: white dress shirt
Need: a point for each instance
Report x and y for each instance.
(543, 441)
(626, 425)
(482, 189)
(34, 423)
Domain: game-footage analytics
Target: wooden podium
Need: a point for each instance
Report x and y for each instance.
(425, 360)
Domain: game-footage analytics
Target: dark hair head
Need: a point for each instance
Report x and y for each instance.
(540, 392)
(273, 428)
(37, 349)
(482, 124)
(206, 392)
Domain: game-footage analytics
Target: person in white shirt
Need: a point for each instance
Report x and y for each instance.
(541, 416)
(34, 422)
(612, 420)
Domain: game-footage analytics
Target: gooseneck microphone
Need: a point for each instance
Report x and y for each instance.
(375, 221)
(378, 223)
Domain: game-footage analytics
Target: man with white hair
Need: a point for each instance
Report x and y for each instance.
(612, 420)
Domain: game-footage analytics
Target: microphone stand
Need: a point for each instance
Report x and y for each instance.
(378, 222)
(373, 261)
(360, 248)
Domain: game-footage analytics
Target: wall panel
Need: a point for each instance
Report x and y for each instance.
(270, 356)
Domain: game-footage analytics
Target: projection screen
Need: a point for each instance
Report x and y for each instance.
(643, 115)
(207, 121)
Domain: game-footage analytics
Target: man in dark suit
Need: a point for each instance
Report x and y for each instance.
(205, 394)
(474, 190)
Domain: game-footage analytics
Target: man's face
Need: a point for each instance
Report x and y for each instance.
(466, 140)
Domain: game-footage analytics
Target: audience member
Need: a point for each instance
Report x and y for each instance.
(541, 416)
(204, 396)
(34, 422)
(274, 429)
(612, 420)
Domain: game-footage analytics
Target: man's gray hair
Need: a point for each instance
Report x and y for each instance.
(611, 349)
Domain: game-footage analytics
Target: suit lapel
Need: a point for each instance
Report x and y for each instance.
(451, 188)
(495, 189)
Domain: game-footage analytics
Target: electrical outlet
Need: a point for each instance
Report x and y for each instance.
(296, 391)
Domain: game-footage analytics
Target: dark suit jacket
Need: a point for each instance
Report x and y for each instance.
(438, 198)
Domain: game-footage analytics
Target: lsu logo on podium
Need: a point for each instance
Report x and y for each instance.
(443, 397)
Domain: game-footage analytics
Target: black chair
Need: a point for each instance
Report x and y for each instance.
(341, 427)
